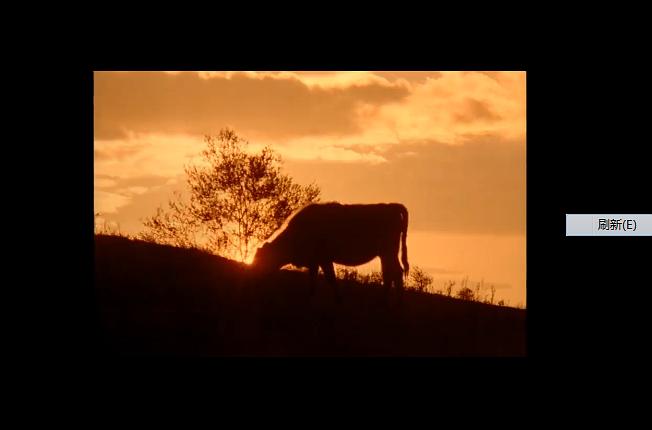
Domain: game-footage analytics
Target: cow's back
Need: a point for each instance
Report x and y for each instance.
(332, 231)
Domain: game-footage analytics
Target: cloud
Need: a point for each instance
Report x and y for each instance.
(413, 78)
(322, 148)
(476, 111)
(321, 79)
(135, 208)
(120, 151)
(114, 194)
(140, 155)
(328, 153)
(165, 156)
(105, 182)
(451, 145)
(186, 103)
(107, 202)
(453, 106)
(477, 187)
(136, 190)
(305, 115)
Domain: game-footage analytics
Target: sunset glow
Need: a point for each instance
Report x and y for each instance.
(450, 146)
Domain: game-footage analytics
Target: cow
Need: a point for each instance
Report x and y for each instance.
(321, 234)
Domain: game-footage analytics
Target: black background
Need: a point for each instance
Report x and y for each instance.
(587, 140)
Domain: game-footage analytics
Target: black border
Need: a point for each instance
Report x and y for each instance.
(567, 297)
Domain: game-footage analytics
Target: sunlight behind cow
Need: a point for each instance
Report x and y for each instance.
(323, 234)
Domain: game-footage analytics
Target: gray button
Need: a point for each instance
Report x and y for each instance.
(608, 224)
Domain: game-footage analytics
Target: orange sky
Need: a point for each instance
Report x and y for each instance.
(449, 145)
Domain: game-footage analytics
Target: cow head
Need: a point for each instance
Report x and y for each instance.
(267, 259)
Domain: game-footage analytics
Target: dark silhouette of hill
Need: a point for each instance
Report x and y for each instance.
(156, 299)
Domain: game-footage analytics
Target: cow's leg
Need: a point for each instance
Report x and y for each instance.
(314, 271)
(397, 271)
(392, 272)
(329, 273)
(385, 267)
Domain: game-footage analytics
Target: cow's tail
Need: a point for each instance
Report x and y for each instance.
(404, 226)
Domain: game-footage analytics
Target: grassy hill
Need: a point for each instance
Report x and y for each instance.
(155, 299)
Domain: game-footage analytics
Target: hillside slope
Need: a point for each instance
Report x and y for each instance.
(155, 299)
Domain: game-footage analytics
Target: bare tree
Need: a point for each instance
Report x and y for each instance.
(176, 226)
(237, 200)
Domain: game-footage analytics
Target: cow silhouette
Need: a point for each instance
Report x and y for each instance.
(321, 234)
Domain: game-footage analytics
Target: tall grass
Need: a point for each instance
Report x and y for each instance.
(108, 228)
(420, 281)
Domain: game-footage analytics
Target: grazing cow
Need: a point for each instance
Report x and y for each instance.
(322, 234)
